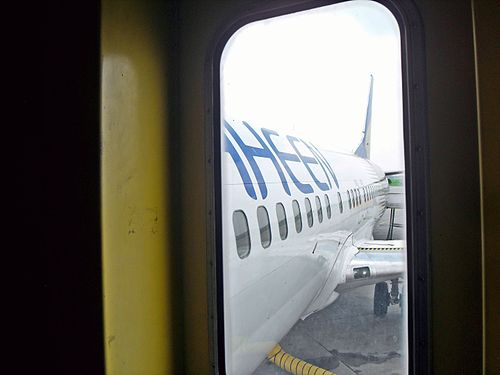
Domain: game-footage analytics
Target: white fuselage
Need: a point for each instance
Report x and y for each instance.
(270, 288)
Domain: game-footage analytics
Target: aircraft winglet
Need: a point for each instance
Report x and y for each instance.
(363, 149)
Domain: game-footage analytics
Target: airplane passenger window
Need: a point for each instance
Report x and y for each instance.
(309, 212)
(241, 233)
(297, 216)
(264, 226)
(311, 106)
(282, 224)
(319, 209)
(328, 208)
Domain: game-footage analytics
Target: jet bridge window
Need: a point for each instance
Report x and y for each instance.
(264, 226)
(328, 207)
(282, 224)
(309, 211)
(340, 65)
(297, 216)
(319, 209)
(241, 233)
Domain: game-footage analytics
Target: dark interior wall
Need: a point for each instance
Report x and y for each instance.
(454, 187)
(487, 25)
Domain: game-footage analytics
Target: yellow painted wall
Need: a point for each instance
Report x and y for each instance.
(138, 315)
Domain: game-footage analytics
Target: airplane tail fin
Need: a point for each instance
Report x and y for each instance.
(363, 149)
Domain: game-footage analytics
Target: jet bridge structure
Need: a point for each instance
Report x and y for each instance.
(395, 200)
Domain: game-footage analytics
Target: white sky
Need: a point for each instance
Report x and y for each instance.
(308, 74)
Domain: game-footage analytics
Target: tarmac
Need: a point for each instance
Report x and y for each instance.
(345, 337)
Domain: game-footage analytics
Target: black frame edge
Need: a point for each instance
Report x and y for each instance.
(416, 148)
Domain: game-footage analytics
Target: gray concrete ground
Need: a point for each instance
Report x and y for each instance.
(346, 337)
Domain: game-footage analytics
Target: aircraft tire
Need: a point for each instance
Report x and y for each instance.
(381, 299)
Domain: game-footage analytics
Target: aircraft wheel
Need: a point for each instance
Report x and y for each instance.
(381, 299)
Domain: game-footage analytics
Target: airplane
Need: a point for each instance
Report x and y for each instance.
(297, 232)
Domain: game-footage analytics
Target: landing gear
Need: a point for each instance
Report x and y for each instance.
(382, 298)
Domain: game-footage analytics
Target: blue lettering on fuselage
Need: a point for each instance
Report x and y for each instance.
(307, 160)
(285, 157)
(251, 153)
(319, 162)
(242, 170)
(323, 162)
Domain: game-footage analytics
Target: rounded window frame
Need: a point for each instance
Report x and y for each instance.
(416, 150)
